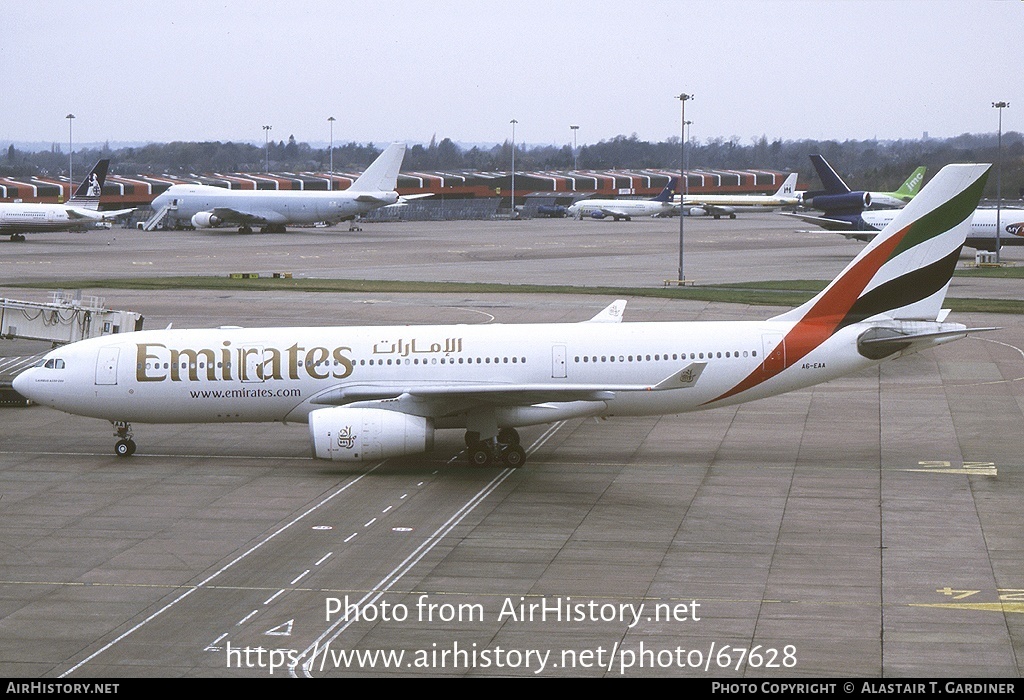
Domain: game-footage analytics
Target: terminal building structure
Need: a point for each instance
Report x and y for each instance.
(456, 190)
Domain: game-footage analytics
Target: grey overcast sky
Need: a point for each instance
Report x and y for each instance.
(135, 70)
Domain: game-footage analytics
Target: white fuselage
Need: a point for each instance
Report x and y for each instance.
(739, 201)
(278, 207)
(620, 208)
(265, 375)
(983, 225)
(18, 217)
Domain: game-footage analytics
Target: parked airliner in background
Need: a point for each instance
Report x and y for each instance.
(838, 199)
(206, 207)
(626, 208)
(374, 392)
(79, 213)
(719, 205)
(981, 236)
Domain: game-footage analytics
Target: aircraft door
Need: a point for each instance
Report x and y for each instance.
(106, 365)
(558, 362)
(774, 347)
(252, 364)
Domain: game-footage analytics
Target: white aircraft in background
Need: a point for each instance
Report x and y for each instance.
(373, 392)
(79, 213)
(719, 205)
(626, 208)
(981, 235)
(206, 207)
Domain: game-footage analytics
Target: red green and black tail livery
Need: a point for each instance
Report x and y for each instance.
(903, 274)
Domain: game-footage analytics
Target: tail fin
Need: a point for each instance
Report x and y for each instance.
(382, 175)
(905, 271)
(788, 187)
(666, 194)
(902, 274)
(87, 196)
(832, 182)
(912, 186)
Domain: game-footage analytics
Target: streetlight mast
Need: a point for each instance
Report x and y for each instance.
(999, 176)
(71, 152)
(682, 97)
(330, 183)
(266, 143)
(513, 123)
(575, 150)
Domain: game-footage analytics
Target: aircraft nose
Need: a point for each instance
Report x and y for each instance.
(22, 383)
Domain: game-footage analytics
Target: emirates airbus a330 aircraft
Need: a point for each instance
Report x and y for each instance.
(374, 392)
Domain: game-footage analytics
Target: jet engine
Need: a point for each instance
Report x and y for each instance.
(597, 214)
(849, 201)
(206, 219)
(359, 434)
(696, 211)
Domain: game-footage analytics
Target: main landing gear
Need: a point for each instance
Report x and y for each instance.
(505, 448)
(125, 446)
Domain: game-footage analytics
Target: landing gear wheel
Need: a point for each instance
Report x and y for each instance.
(481, 455)
(514, 456)
(124, 448)
(508, 436)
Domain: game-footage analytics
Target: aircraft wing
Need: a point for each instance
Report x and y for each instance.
(610, 211)
(712, 209)
(823, 221)
(440, 399)
(230, 215)
(114, 213)
(78, 213)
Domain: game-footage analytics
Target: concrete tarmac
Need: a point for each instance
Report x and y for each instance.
(867, 527)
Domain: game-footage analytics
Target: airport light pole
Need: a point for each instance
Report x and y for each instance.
(682, 97)
(266, 143)
(686, 166)
(575, 151)
(513, 123)
(330, 183)
(71, 152)
(999, 175)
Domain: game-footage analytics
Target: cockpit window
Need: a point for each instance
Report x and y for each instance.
(54, 363)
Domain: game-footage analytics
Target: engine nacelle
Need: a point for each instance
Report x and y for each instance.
(360, 434)
(597, 214)
(206, 219)
(696, 211)
(850, 201)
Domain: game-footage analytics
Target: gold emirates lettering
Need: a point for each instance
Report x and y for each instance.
(248, 363)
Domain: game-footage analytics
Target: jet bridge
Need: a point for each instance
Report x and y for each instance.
(65, 318)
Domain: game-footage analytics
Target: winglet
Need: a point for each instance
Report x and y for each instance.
(611, 313)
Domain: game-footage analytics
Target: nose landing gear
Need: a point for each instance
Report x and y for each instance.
(125, 446)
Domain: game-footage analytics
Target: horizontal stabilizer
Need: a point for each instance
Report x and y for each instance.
(882, 342)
